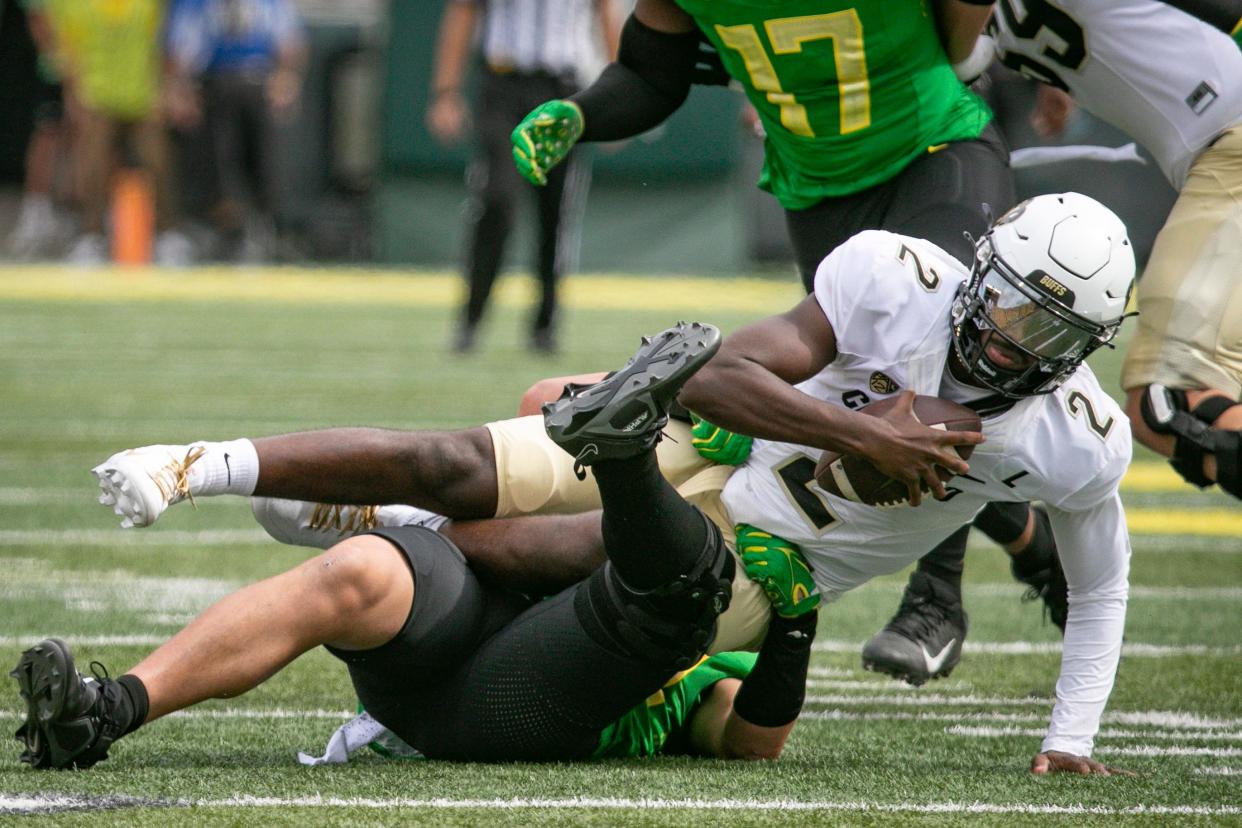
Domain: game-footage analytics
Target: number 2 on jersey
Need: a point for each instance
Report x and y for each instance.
(787, 36)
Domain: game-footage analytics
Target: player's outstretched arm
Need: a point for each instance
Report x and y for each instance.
(649, 80)
(748, 388)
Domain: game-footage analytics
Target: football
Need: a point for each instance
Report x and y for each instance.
(852, 477)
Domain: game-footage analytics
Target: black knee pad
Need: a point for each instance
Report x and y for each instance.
(1166, 411)
(674, 623)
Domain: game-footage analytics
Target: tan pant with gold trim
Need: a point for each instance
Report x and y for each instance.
(1190, 296)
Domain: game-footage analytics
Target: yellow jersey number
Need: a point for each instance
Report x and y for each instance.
(786, 36)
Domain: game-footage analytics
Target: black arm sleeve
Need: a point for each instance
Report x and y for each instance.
(649, 80)
(1223, 14)
(772, 695)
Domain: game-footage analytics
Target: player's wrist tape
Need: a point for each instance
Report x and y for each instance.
(772, 695)
(649, 80)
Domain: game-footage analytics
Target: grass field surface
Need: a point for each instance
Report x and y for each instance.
(94, 362)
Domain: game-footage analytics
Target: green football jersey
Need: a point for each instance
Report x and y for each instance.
(849, 93)
(644, 730)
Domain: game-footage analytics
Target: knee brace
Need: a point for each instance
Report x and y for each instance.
(674, 623)
(1166, 411)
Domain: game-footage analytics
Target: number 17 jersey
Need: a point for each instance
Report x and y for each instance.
(849, 93)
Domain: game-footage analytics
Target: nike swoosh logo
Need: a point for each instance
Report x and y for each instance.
(228, 469)
(934, 663)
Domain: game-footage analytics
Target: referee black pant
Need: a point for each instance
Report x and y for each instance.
(497, 191)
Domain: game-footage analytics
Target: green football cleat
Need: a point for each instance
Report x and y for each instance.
(544, 137)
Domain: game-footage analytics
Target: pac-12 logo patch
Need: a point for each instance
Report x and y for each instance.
(881, 383)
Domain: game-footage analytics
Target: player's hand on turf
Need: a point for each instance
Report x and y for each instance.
(1054, 761)
(544, 137)
(778, 566)
(909, 451)
(719, 444)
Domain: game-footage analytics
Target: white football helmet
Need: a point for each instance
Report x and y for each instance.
(1049, 285)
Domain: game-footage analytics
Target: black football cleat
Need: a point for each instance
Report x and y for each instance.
(924, 639)
(1039, 567)
(623, 414)
(70, 720)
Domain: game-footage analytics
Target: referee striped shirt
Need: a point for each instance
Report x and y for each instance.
(559, 37)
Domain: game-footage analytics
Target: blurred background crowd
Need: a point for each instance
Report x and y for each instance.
(253, 131)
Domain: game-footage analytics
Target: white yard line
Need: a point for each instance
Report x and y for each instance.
(1211, 771)
(1131, 649)
(1106, 733)
(21, 496)
(237, 713)
(928, 700)
(35, 802)
(123, 537)
(1191, 726)
(1148, 750)
(139, 640)
(32, 569)
(1164, 544)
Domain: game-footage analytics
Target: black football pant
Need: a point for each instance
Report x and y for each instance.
(498, 191)
(939, 196)
(481, 674)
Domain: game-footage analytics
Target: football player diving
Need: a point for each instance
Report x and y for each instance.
(867, 126)
(1048, 286)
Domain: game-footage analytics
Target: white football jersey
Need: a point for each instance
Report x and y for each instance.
(888, 299)
(1169, 80)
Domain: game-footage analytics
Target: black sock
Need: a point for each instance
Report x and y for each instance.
(1038, 554)
(946, 561)
(1003, 522)
(651, 534)
(138, 705)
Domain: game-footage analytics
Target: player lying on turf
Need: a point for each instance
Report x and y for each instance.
(611, 667)
(1048, 286)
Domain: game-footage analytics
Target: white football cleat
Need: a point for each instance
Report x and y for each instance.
(139, 484)
(321, 525)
